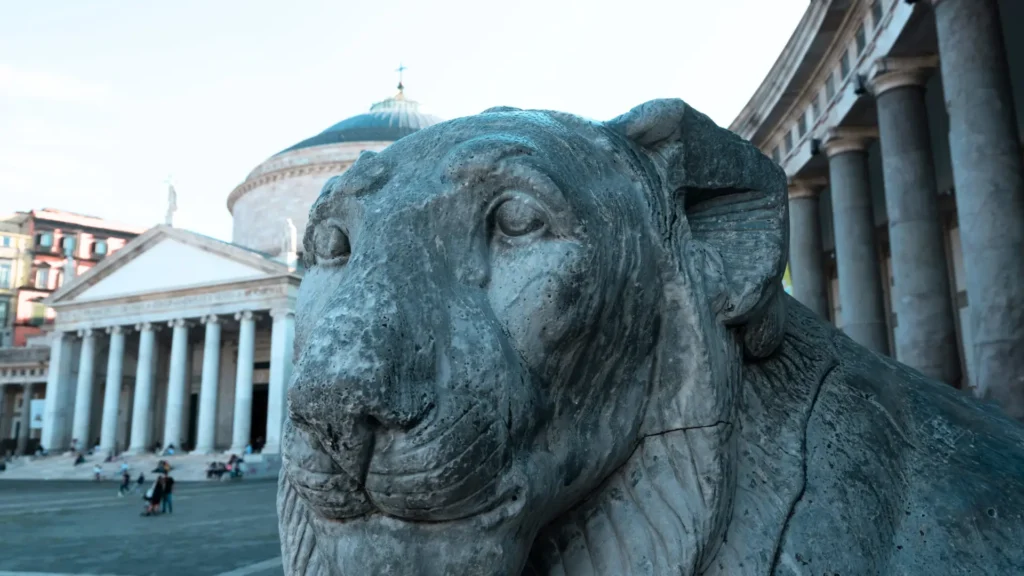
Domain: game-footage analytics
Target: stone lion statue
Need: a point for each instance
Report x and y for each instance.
(533, 344)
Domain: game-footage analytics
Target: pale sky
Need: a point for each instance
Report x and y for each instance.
(102, 100)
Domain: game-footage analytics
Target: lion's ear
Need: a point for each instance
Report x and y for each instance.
(733, 197)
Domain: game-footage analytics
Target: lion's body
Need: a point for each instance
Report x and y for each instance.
(849, 463)
(904, 475)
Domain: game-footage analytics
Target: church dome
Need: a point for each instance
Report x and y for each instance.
(285, 185)
(386, 121)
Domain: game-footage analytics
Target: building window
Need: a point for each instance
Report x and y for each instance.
(860, 40)
(42, 278)
(5, 274)
(4, 307)
(58, 279)
(6, 241)
(830, 87)
(876, 13)
(67, 243)
(776, 156)
(788, 142)
(844, 64)
(801, 126)
(44, 240)
(38, 314)
(816, 107)
(99, 248)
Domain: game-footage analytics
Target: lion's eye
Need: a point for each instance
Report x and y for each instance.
(518, 217)
(331, 245)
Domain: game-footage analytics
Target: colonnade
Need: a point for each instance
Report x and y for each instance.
(988, 173)
(23, 414)
(57, 435)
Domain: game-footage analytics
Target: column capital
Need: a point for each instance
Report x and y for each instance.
(245, 315)
(853, 139)
(888, 73)
(281, 312)
(179, 323)
(145, 327)
(85, 333)
(210, 319)
(116, 329)
(805, 187)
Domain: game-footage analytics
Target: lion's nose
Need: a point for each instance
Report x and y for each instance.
(389, 404)
(362, 369)
(347, 393)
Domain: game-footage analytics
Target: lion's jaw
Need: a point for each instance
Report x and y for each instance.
(666, 509)
(494, 542)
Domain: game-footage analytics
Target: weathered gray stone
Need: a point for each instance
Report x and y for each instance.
(533, 344)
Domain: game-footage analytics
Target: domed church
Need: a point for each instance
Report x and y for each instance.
(286, 184)
(185, 340)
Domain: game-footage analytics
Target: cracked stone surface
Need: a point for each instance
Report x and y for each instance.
(532, 344)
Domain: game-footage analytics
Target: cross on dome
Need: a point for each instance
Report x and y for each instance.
(401, 68)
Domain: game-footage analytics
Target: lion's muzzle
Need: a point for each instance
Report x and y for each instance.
(382, 422)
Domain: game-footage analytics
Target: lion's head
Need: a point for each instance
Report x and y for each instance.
(498, 311)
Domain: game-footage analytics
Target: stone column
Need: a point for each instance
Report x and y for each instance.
(176, 383)
(805, 251)
(860, 280)
(83, 395)
(3, 414)
(925, 332)
(205, 435)
(54, 417)
(988, 172)
(243, 381)
(5, 425)
(139, 443)
(21, 446)
(282, 336)
(112, 390)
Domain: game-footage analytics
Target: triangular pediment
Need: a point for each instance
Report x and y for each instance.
(166, 259)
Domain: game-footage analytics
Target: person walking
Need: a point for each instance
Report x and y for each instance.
(167, 505)
(153, 497)
(126, 483)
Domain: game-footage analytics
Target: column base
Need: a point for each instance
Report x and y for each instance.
(136, 451)
(238, 451)
(203, 451)
(271, 449)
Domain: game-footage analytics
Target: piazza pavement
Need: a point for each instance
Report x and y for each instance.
(84, 529)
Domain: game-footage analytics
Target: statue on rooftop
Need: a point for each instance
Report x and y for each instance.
(290, 240)
(531, 344)
(172, 203)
